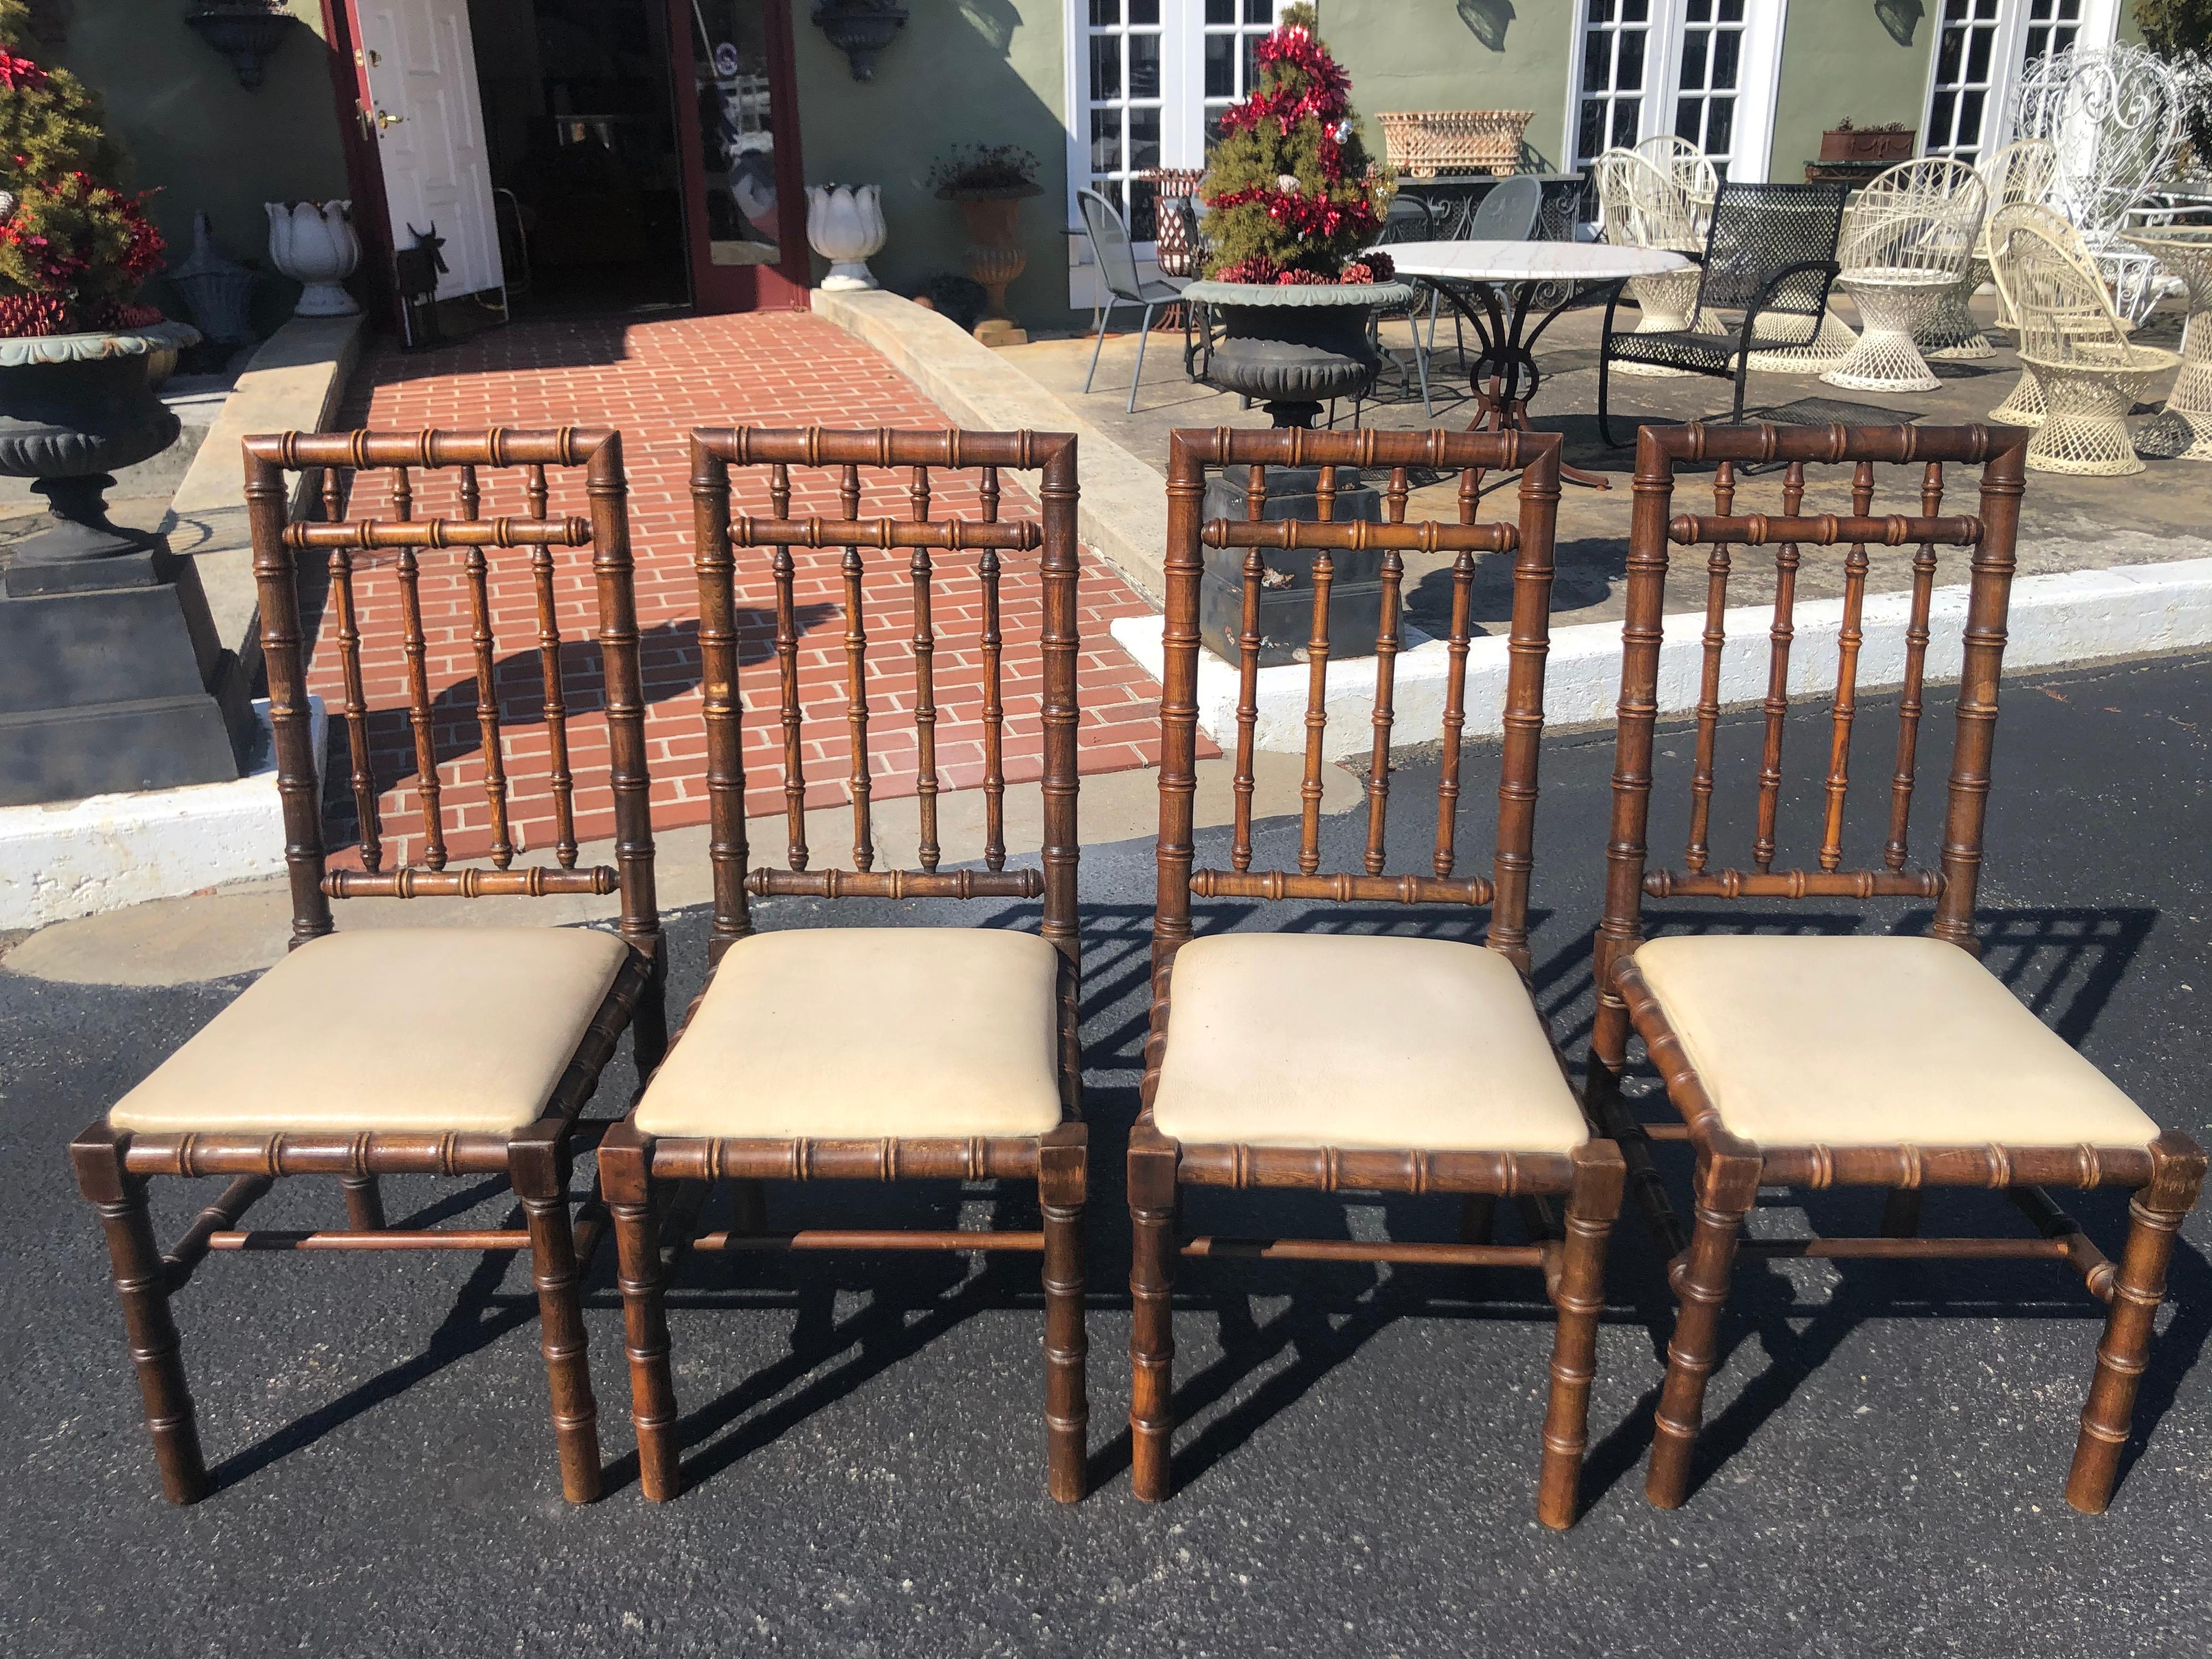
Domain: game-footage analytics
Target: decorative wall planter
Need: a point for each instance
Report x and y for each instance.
(244, 31)
(314, 243)
(859, 29)
(994, 255)
(845, 226)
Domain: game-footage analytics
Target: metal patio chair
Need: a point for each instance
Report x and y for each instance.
(1878, 1060)
(1116, 261)
(1770, 256)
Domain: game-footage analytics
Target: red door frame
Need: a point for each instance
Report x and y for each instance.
(783, 285)
(371, 216)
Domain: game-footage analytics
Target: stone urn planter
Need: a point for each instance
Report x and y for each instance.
(74, 408)
(994, 255)
(845, 226)
(313, 243)
(1292, 349)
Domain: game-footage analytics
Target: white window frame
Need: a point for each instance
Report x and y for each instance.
(2098, 27)
(1759, 77)
(1182, 123)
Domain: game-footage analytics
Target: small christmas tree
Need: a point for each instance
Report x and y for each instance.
(1294, 194)
(74, 247)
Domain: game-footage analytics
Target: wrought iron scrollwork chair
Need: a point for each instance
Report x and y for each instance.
(1770, 256)
(1117, 262)
(1885, 1061)
(821, 1053)
(448, 1051)
(1236, 1093)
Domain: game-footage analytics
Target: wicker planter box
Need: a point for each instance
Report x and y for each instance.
(1868, 145)
(1424, 143)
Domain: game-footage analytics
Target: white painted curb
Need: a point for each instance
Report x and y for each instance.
(2073, 616)
(73, 857)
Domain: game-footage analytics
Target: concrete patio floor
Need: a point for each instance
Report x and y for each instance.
(1882, 1473)
(2067, 523)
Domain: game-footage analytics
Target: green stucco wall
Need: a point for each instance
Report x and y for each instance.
(1457, 54)
(1866, 59)
(198, 139)
(962, 71)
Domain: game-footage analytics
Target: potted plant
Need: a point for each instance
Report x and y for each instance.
(1295, 201)
(1890, 141)
(990, 182)
(75, 400)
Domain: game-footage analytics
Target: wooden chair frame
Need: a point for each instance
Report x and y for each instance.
(114, 1168)
(639, 1169)
(1571, 1259)
(1730, 1171)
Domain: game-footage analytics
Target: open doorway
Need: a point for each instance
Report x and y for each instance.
(581, 135)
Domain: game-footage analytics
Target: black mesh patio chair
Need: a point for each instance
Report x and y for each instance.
(1506, 213)
(1769, 255)
(1110, 250)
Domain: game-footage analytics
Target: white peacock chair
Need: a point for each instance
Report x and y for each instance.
(1641, 204)
(1905, 250)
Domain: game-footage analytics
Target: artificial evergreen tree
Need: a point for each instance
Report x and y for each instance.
(1293, 194)
(73, 245)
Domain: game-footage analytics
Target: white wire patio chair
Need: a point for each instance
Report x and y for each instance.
(1904, 252)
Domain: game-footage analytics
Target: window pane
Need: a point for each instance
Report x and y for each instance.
(1104, 12)
(1220, 68)
(1600, 11)
(1589, 139)
(2037, 40)
(1731, 11)
(1693, 59)
(1105, 141)
(1260, 11)
(1688, 115)
(1143, 211)
(1105, 68)
(1625, 115)
(1977, 60)
(1220, 11)
(2061, 40)
(1144, 11)
(1940, 111)
(1629, 76)
(1144, 138)
(1144, 66)
(1701, 11)
(1970, 115)
(1251, 76)
(1597, 61)
(1986, 8)
(1728, 46)
(2070, 10)
(1954, 8)
(1720, 126)
(1635, 11)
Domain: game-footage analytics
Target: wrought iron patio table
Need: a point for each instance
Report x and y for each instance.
(1498, 286)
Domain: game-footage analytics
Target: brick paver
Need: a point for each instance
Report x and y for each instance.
(654, 381)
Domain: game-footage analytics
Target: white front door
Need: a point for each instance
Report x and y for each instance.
(421, 72)
(1703, 70)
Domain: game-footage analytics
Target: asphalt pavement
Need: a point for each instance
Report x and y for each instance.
(1882, 1474)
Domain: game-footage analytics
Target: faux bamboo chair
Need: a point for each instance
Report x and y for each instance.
(1769, 257)
(1239, 1090)
(1886, 1062)
(890, 1054)
(1905, 250)
(457, 1051)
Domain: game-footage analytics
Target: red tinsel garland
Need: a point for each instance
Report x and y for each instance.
(1326, 94)
(20, 74)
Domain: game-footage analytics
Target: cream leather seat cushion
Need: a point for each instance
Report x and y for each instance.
(1358, 1041)
(866, 1034)
(1877, 1042)
(389, 1028)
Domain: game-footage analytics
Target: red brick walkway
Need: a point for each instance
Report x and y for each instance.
(655, 382)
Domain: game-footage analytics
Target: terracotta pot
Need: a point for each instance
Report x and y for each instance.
(994, 255)
(1867, 144)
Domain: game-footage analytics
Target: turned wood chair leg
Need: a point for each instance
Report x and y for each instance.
(540, 1174)
(1152, 1325)
(141, 1286)
(1066, 1396)
(1725, 1196)
(2155, 1219)
(1592, 1207)
(648, 1020)
(625, 1177)
(364, 1203)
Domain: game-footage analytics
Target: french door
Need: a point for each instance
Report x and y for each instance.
(1703, 71)
(1983, 49)
(1148, 80)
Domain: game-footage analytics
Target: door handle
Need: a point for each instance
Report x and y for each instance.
(384, 120)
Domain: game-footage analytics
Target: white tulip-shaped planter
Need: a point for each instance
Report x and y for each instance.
(314, 243)
(845, 226)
